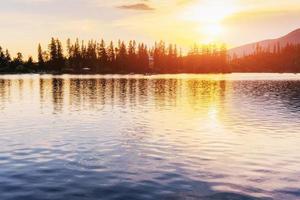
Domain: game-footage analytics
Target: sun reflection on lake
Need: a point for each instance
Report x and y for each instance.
(165, 132)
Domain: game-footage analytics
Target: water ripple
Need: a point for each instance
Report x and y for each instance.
(207, 137)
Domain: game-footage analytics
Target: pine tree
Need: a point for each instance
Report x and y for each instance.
(132, 65)
(41, 61)
(122, 57)
(103, 57)
(29, 65)
(77, 57)
(60, 61)
(3, 60)
(19, 58)
(223, 59)
(111, 53)
(53, 50)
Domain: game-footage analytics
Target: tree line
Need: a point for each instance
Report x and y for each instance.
(101, 58)
(16, 64)
(275, 58)
(95, 57)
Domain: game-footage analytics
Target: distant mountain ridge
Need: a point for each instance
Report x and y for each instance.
(291, 38)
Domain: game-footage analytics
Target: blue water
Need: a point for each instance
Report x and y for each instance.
(150, 137)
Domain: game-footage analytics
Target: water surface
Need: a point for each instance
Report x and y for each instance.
(150, 137)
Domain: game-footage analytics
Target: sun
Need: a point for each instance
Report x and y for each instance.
(209, 15)
(211, 33)
(214, 29)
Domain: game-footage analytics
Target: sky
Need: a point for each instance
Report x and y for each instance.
(25, 23)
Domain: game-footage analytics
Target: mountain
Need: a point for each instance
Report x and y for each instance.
(292, 38)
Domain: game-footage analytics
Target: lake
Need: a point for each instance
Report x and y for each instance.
(69, 137)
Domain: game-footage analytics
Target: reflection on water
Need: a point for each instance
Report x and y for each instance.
(150, 137)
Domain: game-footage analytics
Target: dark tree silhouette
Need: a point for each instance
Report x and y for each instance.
(96, 57)
(41, 61)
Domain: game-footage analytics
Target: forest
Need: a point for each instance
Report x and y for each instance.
(278, 59)
(100, 58)
(93, 57)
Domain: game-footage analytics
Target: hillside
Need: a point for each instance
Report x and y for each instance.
(292, 38)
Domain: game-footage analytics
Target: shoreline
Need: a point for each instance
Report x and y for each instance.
(149, 74)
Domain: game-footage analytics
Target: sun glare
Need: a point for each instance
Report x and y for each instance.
(211, 31)
(209, 15)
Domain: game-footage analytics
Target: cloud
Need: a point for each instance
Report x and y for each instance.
(137, 6)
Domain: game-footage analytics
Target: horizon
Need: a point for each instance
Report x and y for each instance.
(145, 21)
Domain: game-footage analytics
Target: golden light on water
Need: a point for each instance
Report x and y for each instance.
(206, 124)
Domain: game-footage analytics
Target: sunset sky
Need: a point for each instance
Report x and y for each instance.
(24, 23)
